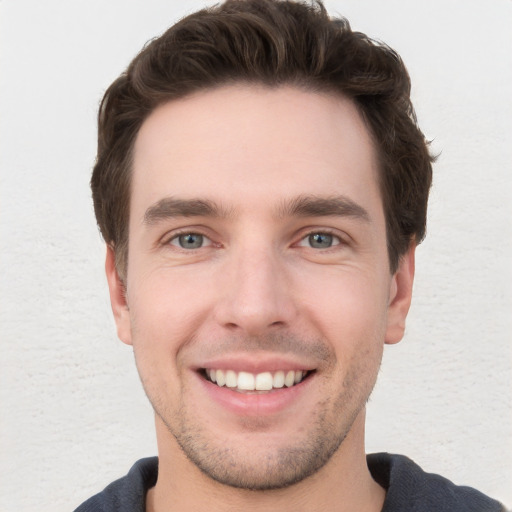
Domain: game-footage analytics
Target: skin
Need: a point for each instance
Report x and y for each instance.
(258, 293)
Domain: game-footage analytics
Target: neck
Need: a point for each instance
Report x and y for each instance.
(343, 484)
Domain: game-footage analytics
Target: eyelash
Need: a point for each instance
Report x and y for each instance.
(336, 239)
(303, 242)
(175, 236)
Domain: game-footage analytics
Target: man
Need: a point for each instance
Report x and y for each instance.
(261, 185)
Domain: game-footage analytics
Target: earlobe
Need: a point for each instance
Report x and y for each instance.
(400, 297)
(118, 302)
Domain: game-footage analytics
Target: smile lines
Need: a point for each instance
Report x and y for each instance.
(244, 381)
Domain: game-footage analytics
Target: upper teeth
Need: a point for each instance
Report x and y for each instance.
(255, 382)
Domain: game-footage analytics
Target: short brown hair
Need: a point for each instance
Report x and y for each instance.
(267, 42)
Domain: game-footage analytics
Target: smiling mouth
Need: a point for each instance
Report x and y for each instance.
(245, 382)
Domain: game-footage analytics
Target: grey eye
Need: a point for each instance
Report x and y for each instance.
(320, 240)
(190, 241)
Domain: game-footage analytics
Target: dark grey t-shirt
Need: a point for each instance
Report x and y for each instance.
(409, 489)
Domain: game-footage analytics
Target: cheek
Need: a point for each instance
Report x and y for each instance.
(165, 308)
(159, 329)
(349, 307)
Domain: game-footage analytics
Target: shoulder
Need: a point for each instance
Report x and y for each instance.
(409, 488)
(128, 494)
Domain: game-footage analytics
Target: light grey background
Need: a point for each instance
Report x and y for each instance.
(73, 416)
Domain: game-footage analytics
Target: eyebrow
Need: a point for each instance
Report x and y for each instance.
(313, 206)
(301, 206)
(170, 207)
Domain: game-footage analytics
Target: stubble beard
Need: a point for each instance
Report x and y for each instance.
(270, 470)
(300, 457)
(282, 467)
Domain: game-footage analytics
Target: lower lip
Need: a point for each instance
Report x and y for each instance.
(255, 404)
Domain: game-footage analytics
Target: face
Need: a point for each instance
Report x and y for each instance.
(258, 292)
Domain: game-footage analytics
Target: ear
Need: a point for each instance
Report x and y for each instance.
(118, 302)
(400, 296)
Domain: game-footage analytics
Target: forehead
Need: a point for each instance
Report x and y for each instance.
(248, 144)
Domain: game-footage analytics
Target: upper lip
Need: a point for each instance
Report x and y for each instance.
(255, 363)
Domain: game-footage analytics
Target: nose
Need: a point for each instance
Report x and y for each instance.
(256, 293)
